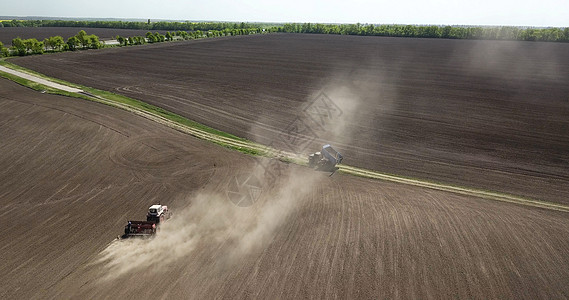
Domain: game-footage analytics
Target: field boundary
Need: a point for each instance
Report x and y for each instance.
(44, 83)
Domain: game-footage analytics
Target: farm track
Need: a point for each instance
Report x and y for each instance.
(448, 113)
(307, 235)
(282, 155)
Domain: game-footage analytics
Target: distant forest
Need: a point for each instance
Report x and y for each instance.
(450, 32)
(446, 32)
(174, 26)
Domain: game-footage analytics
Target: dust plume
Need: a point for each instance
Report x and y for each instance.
(512, 60)
(229, 231)
(347, 91)
(210, 222)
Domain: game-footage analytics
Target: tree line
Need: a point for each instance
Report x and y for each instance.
(188, 30)
(82, 41)
(162, 25)
(450, 32)
(183, 35)
(21, 47)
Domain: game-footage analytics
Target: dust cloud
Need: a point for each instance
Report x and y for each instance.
(331, 114)
(347, 91)
(511, 60)
(210, 222)
(214, 224)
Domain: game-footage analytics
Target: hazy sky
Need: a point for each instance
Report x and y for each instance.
(483, 12)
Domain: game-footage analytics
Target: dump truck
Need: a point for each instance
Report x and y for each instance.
(325, 160)
(156, 214)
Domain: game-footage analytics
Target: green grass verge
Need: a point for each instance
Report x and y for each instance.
(256, 149)
(156, 110)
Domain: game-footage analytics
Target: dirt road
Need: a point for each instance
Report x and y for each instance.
(487, 114)
(40, 80)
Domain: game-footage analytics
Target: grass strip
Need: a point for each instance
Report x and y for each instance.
(108, 96)
(242, 145)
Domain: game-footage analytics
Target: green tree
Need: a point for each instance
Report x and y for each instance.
(529, 35)
(432, 32)
(122, 41)
(445, 32)
(306, 28)
(410, 31)
(139, 40)
(159, 37)
(151, 38)
(57, 42)
(458, 33)
(83, 39)
(184, 34)
(72, 43)
(93, 41)
(552, 35)
(18, 46)
(36, 46)
(168, 36)
(33, 46)
(47, 44)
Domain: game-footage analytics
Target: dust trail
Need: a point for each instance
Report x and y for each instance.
(346, 91)
(175, 239)
(329, 114)
(513, 61)
(211, 220)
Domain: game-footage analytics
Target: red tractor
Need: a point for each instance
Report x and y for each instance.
(156, 213)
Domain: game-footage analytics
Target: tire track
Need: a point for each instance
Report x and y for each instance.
(347, 169)
(346, 237)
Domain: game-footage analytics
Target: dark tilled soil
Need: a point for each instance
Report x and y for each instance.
(72, 172)
(487, 114)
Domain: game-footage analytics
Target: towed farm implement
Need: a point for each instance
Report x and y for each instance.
(156, 214)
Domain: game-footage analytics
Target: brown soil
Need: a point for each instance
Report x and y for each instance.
(486, 114)
(72, 172)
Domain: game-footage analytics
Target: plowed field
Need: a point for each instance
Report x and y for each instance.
(72, 172)
(487, 114)
(475, 113)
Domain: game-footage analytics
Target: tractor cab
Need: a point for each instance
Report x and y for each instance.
(157, 213)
